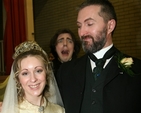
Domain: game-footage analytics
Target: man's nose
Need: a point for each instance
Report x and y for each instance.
(82, 31)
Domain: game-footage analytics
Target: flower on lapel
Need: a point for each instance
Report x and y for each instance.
(125, 64)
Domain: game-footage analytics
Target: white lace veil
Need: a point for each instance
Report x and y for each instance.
(10, 102)
(54, 92)
(10, 97)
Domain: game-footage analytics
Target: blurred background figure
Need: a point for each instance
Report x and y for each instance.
(51, 57)
(64, 46)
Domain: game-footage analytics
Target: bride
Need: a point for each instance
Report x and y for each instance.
(31, 87)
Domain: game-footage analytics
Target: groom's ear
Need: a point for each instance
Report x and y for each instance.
(111, 25)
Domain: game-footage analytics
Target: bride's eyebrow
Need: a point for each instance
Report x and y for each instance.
(23, 70)
(39, 67)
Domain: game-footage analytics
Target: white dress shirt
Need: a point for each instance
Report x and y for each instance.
(100, 54)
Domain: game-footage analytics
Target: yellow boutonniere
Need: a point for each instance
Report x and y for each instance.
(125, 64)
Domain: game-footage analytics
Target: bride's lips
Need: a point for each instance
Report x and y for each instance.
(34, 86)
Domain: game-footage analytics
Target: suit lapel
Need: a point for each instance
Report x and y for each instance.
(79, 71)
(109, 75)
(111, 70)
(114, 71)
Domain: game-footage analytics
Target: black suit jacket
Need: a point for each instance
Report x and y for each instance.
(121, 92)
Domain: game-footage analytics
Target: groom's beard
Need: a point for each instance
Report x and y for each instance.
(97, 43)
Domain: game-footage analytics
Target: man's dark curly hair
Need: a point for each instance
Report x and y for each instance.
(53, 42)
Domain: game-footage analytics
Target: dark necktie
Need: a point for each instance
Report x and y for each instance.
(100, 62)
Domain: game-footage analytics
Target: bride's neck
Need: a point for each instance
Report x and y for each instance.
(35, 100)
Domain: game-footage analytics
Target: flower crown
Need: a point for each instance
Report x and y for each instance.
(27, 46)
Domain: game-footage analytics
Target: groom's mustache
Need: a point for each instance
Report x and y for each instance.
(87, 36)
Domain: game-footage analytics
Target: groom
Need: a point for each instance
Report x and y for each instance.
(117, 87)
